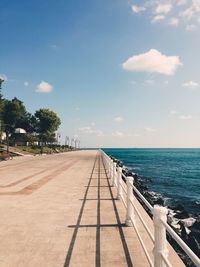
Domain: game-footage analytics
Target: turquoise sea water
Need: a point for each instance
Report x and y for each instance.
(175, 173)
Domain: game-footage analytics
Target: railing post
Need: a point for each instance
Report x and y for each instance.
(119, 182)
(114, 173)
(106, 164)
(129, 209)
(111, 169)
(160, 246)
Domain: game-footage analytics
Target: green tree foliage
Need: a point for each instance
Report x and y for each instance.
(13, 114)
(28, 122)
(47, 123)
(31, 138)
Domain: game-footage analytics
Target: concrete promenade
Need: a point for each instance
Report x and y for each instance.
(59, 210)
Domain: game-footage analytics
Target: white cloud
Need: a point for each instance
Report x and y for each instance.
(152, 61)
(118, 119)
(158, 18)
(90, 130)
(26, 83)
(192, 11)
(85, 129)
(118, 134)
(173, 112)
(190, 27)
(163, 8)
(3, 77)
(173, 21)
(191, 84)
(185, 117)
(166, 82)
(149, 129)
(44, 87)
(183, 10)
(138, 9)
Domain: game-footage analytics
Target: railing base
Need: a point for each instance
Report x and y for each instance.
(128, 222)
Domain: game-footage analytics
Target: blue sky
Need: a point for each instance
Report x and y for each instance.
(118, 73)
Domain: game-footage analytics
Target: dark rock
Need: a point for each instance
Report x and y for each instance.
(182, 215)
(158, 201)
(196, 226)
(183, 231)
(178, 207)
(194, 245)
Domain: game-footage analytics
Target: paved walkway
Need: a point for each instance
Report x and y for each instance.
(60, 210)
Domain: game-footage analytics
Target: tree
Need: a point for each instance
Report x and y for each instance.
(13, 114)
(47, 123)
(28, 122)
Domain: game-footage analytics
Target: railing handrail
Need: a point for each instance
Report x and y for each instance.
(193, 257)
(143, 222)
(182, 244)
(149, 206)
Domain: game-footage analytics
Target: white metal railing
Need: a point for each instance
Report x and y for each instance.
(125, 193)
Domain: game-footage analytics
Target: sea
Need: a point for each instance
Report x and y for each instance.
(173, 173)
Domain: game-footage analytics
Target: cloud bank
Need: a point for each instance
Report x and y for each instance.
(152, 61)
(173, 12)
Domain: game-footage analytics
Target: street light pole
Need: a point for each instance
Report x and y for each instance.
(67, 141)
(72, 141)
(58, 136)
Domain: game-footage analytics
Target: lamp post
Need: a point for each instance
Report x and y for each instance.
(77, 143)
(72, 141)
(67, 141)
(58, 137)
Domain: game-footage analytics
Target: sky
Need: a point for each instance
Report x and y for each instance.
(119, 73)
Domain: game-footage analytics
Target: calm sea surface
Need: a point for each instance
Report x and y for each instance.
(175, 173)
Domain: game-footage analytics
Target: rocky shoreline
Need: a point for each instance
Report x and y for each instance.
(185, 224)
